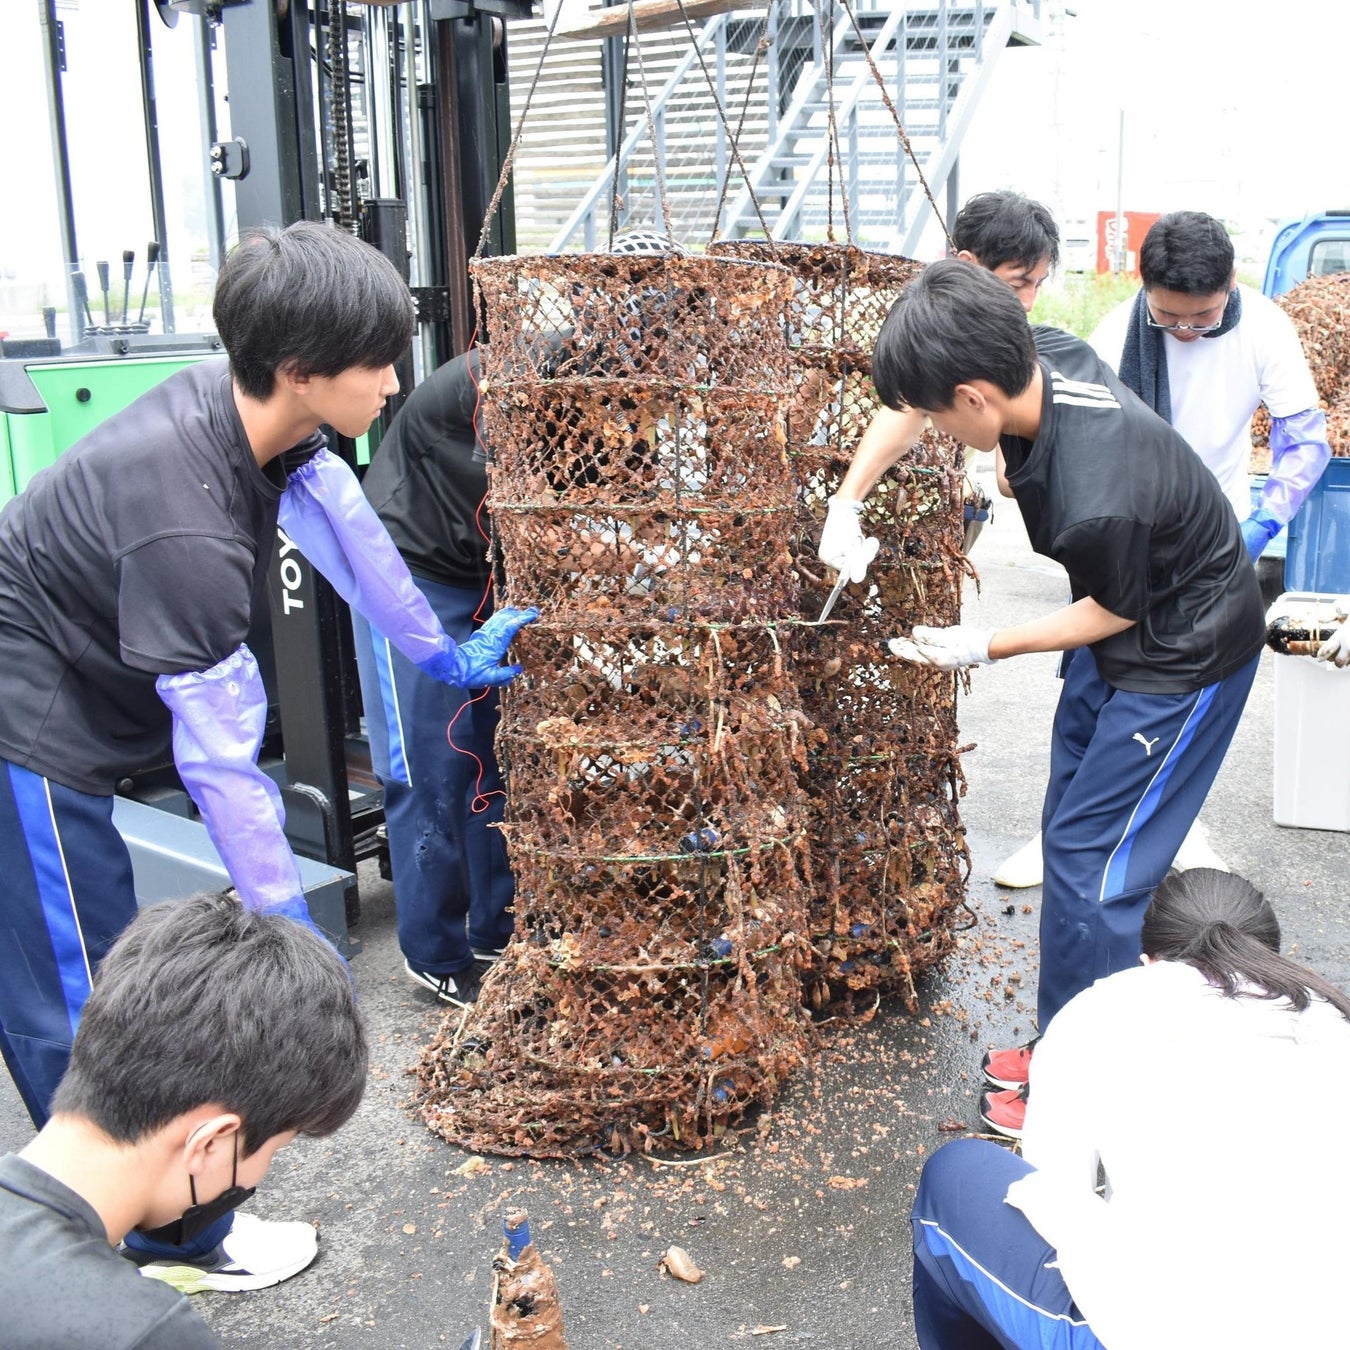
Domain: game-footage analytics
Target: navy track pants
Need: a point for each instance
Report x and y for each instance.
(432, 749)
(68, 893)
(983, 1278)
(1128, 776)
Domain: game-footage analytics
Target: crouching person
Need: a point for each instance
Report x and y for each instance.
(1221, 1220)
(213, 1037)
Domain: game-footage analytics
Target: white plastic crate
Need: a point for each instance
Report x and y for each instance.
(1312, 735)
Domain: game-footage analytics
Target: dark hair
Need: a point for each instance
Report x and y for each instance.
(952, 324)
(1187, 251)
(311, 298)
(1223, 926)
(201, 1001)
(1000, 227)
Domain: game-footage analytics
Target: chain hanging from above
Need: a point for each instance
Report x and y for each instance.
(761, 46)
(899, 125)
(833, 140)
(824, 11)
(733, 142)
(341, 203)
(662, 196)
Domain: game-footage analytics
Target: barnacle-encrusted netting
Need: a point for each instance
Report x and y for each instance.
(882, 774)
(1320, 310)
(641, 494)
(662, 461)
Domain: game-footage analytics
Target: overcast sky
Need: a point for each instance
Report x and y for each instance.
(1230, 106)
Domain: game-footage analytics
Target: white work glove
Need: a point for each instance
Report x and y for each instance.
(1337, 647)
(945, 648)
(842, 544)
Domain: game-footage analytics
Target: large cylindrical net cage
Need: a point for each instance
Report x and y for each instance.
(719, 814)
(641, 494)
(882, 774)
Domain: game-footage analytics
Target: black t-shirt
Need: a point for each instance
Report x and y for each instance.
(63, 1287)
(141, 551)
(428, 479)
(1110, 491)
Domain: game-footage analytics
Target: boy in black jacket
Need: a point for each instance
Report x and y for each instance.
(129, 571)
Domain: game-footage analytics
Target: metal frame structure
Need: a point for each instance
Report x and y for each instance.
(823, 116)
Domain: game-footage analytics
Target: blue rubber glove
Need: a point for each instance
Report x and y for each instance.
(476, 662)
(1257, 531)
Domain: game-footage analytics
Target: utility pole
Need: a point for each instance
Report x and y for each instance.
(1120, 196)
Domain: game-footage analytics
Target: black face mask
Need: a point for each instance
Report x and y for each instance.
(196, 1219)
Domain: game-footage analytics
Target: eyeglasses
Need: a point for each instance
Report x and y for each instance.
(1180, 327)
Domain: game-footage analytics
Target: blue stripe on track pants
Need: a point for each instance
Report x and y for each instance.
(982, 1274)
(1128, 775)
(68, 893)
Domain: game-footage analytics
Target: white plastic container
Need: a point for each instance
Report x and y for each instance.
(1312, 736)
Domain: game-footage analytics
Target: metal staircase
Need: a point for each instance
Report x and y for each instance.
(805, 74)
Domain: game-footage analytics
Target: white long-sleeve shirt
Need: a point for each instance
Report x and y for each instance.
(1220, 1125)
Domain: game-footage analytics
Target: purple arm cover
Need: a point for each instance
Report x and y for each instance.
(324, 511)
(218, 719)
(1298, 454)
(327, 515)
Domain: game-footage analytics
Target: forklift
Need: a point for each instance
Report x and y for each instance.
(390, 121)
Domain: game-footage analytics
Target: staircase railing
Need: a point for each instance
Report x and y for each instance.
(600, 193)
(938, 54)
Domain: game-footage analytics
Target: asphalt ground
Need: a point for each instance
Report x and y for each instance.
(801, 1221)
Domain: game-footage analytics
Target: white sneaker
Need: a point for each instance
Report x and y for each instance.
(1195, 851)
(1022, 868)
(254, 1253)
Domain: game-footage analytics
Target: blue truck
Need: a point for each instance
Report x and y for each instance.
(1311, 246)
(1317, 549)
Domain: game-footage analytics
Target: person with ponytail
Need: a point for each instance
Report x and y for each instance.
(1192, 1194)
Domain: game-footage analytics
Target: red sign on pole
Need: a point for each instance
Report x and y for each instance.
(1111, 256)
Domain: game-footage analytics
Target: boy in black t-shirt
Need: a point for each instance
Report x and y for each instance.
(178, 1096)
(433, 746)
(1166, 624)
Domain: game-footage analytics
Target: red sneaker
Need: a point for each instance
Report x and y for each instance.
(1005, 1112)
(1008, 1068)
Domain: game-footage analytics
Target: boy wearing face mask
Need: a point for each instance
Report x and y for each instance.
(178, 1095)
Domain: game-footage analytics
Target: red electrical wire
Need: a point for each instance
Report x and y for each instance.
(481, 800)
